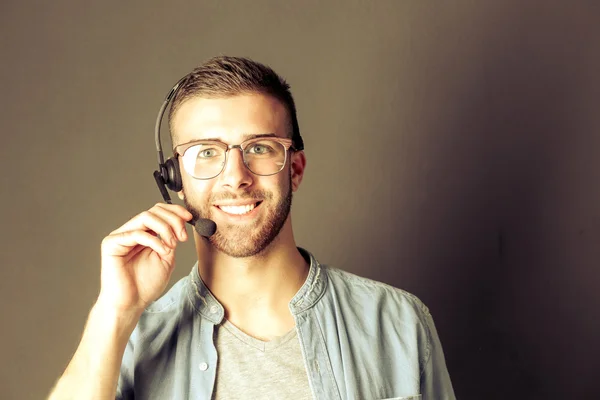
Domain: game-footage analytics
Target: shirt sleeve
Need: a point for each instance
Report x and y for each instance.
(435, 380)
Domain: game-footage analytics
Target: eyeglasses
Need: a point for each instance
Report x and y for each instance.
(205, 159)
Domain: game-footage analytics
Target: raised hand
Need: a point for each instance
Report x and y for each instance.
(139, 257)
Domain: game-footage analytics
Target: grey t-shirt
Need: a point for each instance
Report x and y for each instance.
(249, 368)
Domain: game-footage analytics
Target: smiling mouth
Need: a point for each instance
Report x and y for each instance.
(239, 210)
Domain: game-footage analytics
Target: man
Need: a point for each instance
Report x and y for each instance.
(257, 317)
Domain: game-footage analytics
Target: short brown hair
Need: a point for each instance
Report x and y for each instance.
(225, 76)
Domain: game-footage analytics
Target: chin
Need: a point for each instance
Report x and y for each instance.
(238, 242)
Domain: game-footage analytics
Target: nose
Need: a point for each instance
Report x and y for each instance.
(235, 174)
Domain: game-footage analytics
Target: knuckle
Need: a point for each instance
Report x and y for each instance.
(147, 215)
(110, 239)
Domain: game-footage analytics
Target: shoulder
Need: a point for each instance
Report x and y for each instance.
(376, 307)
(390, 318)
(361, 289)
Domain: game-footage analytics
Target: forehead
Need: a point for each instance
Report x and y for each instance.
(229, 119)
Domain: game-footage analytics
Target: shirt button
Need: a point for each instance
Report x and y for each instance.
(203, 366)
(214, 309)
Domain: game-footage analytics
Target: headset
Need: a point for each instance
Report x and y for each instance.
(168, 174)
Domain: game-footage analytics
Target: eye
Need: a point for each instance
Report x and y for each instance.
(208, 153)
(260, 148)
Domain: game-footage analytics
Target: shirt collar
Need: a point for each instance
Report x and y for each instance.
(312, 289)
(308, 295)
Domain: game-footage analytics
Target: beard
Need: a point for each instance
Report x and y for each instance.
(248, 240)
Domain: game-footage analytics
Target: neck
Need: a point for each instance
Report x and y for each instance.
(255, 291)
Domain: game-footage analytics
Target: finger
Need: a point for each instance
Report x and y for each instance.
(158, 209)
(136, 250)
(122, 243)
(176, 209)
(177, 222)
(149, 221)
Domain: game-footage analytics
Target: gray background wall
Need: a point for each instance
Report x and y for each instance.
(452, 151)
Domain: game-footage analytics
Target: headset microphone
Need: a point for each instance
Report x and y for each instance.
(205, 227)
(168, 174)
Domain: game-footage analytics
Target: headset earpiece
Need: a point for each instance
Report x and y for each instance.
(173, 175)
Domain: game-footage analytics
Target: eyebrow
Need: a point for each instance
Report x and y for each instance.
(245, 137)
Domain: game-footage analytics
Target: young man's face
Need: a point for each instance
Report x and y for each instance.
(249, 210)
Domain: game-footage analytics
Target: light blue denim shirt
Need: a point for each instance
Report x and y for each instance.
(360, 340)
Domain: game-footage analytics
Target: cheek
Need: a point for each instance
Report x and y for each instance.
(196, 190)
(284, 186)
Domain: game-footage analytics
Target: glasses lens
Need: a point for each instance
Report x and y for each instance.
(264, 156)
(204, 160)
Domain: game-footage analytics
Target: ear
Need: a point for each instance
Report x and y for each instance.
(180, 195)
(298, 164)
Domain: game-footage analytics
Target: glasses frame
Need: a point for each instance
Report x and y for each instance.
(287, 143)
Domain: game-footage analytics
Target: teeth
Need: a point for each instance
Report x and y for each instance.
(237, 210)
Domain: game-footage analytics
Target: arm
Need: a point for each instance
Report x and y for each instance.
(435, 380)
(137, 262)
(94, 370)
